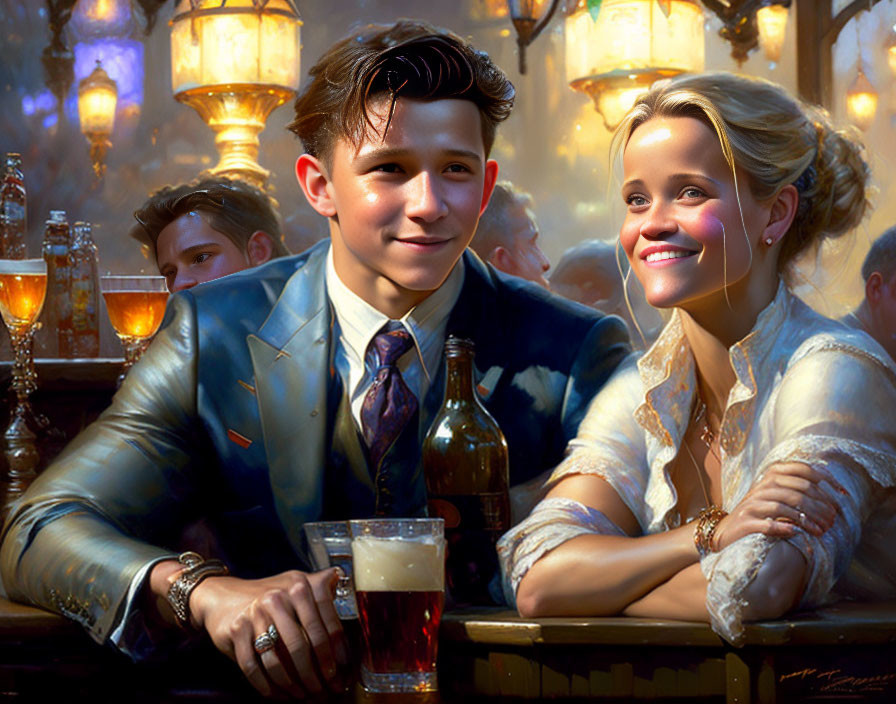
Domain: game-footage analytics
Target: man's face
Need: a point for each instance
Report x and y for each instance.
(404, 207)
(190, 252)
(526, 258)
(884, 316)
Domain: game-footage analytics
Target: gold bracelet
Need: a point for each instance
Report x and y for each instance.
(707, 521)
(196, 568)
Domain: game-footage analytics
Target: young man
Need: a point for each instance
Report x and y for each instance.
(205, 230)
(256, 403)
(507, 235)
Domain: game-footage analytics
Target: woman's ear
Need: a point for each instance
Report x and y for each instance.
(314, 181)
(783, 210)
(259, 248)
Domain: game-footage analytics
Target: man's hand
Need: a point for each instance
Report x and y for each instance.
(311, 649)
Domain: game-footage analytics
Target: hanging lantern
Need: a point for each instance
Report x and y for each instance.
(632, 43)
(102, 18)
(771, 21)
(861, 102)
(97, 98)
(234, 62)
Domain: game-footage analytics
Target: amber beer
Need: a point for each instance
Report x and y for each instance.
(399, 585)
(21, 297)
(465, 462)
(136, 314)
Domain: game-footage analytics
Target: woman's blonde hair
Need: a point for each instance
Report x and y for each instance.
(775, 140)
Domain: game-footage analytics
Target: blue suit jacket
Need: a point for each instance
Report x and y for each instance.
(225, 416)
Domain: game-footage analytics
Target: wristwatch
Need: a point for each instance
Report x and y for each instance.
(196, 568)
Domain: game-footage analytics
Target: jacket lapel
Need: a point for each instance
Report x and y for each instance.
(290, 357)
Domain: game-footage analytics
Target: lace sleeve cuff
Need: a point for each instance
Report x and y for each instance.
(552, 522)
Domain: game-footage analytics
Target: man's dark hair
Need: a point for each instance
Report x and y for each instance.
(408, 59)
(882, 256)
(233, 208)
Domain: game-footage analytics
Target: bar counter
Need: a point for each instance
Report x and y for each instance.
(846, 652)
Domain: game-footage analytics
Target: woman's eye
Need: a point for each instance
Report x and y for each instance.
(635, 200)
(201, 257)
(693, 193)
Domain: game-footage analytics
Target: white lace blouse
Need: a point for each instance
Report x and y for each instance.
(808, 389)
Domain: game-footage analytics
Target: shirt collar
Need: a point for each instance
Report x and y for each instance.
(359, 321)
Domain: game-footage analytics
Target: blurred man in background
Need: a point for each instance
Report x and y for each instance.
(876, 314)
(507, 236)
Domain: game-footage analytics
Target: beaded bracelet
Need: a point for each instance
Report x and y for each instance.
(707, 521)
(196, 568)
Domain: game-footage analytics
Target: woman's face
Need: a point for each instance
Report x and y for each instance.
(683, 232)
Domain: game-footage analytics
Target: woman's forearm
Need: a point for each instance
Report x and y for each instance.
(600, 575)
(682, 597)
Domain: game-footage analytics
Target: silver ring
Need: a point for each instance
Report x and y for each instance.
(267, 640)
(802, 518)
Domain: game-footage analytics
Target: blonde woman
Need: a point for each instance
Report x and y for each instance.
(728, 473)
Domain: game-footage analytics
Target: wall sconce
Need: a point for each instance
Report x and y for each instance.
(97, 98)
(529, 18)
(771, 21)
(861, 101)
(632, 43)
(234, 62)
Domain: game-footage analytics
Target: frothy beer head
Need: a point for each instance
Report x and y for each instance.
(391, 565)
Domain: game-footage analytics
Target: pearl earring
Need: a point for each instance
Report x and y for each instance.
(769, 241)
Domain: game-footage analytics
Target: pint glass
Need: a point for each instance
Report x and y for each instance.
(399, 569)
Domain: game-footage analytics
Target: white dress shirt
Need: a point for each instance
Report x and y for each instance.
(357, 322)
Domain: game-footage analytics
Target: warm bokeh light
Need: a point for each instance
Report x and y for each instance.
(771, 21)
(890, 47)
(631, 44)
(861, 102)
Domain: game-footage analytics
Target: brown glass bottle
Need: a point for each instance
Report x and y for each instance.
(85, 293)
(57, 313)
(467, 480)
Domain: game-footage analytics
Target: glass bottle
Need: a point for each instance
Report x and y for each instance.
(58, 306)
(84, 293)
(12, 209)
(465, 463)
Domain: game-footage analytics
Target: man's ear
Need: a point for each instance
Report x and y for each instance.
(874, 289)
(502, 259)
(783, 210)
(259, 248)
(491, 178)
(314, 181)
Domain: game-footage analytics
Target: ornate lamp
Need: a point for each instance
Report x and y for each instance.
(771, 21)
(234, 62)
(97, 98)
(861, 101)
(632, 43)
(529, 18)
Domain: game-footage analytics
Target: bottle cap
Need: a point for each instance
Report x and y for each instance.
(57, 216)
(456, 345)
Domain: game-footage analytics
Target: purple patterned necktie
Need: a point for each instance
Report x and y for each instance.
(389, 403)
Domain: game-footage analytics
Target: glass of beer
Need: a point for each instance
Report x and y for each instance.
(136, 306)
(330, 545)
(399, 569)
(23, 286)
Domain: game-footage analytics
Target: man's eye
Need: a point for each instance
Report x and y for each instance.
(388, 168)
(201, 257)
(458, 169)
